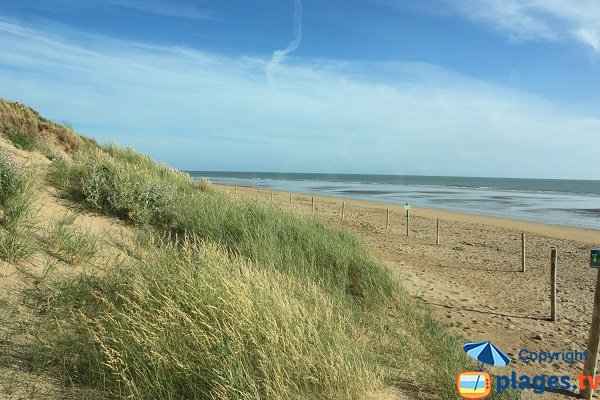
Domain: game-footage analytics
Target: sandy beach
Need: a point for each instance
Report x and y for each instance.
(473, 279)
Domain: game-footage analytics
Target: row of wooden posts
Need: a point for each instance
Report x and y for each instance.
(594, 338)
(387, 217)
(553, 252)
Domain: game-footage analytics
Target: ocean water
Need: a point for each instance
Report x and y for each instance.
(553, 201)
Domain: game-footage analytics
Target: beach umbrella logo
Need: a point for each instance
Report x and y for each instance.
(478, 384)
(486, 353)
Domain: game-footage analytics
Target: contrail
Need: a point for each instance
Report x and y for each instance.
(280, 55)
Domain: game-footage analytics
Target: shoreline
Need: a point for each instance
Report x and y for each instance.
(582, 234)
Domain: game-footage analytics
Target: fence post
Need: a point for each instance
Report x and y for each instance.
(343, 209)
(589, 368)
(437, 232)
(290, 199)
(313, 203)
(407, 222)
(235, 190)
(553, 258)
(522, 252)
(387, 219)
(271, 196)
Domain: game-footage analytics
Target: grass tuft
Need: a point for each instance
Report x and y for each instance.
(18, 220)
(21, 140)
(65, 240)
(17, 244)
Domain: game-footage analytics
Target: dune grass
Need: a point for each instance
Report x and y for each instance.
(67, 241)
(219, 298)
(132, 187)
(236, 299)
(189, 321)
(21, 140)
(17, 215)
(17, 117)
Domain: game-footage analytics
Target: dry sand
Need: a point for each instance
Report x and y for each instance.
(473, 279)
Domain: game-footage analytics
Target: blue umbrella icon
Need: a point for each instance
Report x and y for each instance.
(486, 353)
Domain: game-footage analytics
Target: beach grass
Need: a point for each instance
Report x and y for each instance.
(18, 221)
(190, 321)
(287, 290)
(21, 140)
(67, 241)
(219, 297)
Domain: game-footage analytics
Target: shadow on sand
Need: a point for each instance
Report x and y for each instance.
(488, 312)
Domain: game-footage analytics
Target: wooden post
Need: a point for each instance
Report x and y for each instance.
(313, 203)
(290, 199)
(437, 232)
(589, 368)
(522, 252)
(407, 222)
(553, 258)
(235, 190)
(343, 209)
(387, 219)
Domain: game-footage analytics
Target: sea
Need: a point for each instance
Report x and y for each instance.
(573, 203)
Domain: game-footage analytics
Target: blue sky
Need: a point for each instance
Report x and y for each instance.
(446, 87)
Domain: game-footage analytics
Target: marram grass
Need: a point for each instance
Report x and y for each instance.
(232, 299)
(194, 323)
(17, 215)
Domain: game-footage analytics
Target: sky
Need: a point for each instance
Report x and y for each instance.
(500, 88)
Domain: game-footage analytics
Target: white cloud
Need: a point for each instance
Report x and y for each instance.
(538, 19)
(198, 110)
(165, 8)
(589, 36)
(280, 55)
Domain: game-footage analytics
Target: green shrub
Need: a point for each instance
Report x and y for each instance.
(116, 187)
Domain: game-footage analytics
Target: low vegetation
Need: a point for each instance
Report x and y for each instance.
(70, 243)
(17, 117)
(18, 225)
(20, 140)
(220, 298)
(261, 303)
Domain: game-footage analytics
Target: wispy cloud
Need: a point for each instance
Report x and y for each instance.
(204, 111)
(538, 19)
(280, 55)
(161, 7)
(166, 8)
